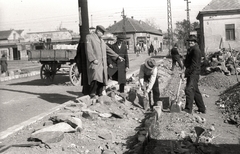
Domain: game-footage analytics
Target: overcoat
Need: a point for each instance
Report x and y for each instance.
(96, 49)
(118, 65)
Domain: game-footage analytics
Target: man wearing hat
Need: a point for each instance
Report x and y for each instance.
(176, 57)
(4, 63)
(192, 64)
(117, 69)
(96, 53)
(148, 75)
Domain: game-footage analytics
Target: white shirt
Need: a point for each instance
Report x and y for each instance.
(152, 73)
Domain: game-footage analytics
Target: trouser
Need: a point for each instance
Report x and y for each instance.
(96, 88)
(192, 93)
(121, 85)
(174, 61)
(155, 91)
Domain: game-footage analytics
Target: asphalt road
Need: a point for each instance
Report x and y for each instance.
(24, 98)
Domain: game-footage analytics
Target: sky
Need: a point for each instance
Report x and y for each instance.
(48, 15)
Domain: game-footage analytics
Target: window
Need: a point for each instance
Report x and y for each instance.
(230, 31)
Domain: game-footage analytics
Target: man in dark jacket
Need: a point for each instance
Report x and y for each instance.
(192, 72)
(176, 57)
(117, 69)
(4, 63)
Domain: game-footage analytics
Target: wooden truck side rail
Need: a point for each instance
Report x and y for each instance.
(57, 55)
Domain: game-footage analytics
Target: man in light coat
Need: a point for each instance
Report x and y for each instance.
(97, 52)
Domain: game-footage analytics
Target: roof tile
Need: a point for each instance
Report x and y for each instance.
(132, 25)
(217, 5)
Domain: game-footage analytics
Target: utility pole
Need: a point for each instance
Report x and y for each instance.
(170, 33)
(188, 17)
(124, 20)
(81, 58)
(91, 21)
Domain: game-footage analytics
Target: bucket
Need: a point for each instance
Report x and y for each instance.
(165, 102)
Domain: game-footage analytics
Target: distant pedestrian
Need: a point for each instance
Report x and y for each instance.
(151, 49)
(176, 57)
(138, 49)
(4, 63)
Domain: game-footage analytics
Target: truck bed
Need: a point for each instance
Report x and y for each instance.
(64, 55)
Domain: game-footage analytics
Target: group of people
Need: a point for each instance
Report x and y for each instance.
(192, 65)
(111, 62)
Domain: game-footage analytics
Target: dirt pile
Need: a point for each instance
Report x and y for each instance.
(229, 103)
(216, 80)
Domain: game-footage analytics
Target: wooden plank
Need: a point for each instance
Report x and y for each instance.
(52, 55)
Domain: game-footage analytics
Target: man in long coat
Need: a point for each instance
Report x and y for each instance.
(117, 69)
(96, 52)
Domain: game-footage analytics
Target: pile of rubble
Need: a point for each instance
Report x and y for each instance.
(229, 103)
(224, 61)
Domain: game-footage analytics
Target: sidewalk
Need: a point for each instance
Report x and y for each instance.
(20, 69)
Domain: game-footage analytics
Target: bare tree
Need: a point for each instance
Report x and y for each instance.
(152, 22)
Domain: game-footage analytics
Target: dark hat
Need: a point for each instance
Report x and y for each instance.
(192, 38)
(100, 27)
(150, 63)
(175, 45)
(122, 37)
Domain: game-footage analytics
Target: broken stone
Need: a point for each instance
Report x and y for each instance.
(141, 138)
(87, 113)
(47, 136)
(72, 109)
(48, 123)
(62, 127)
(84, 99)
(212, 128)
(77, 122)
(105, 115)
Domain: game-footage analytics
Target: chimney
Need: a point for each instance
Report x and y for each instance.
(115, 22)
(132, 17)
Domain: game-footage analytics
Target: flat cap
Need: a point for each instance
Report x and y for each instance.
(122, 37)
(100, 27)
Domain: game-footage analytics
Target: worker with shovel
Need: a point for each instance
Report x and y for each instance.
(149, 81)
(192, 64)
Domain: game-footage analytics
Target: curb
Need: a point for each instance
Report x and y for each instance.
(7, 78)
(32, 120)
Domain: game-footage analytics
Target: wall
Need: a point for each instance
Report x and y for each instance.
(214, 30)
(54, 35)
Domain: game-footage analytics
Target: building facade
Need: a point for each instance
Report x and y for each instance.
(219, 25)
(138, 32)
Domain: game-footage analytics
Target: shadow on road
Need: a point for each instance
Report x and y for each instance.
(49, 97)
(58, 80)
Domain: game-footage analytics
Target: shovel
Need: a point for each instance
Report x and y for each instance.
(175, 104)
